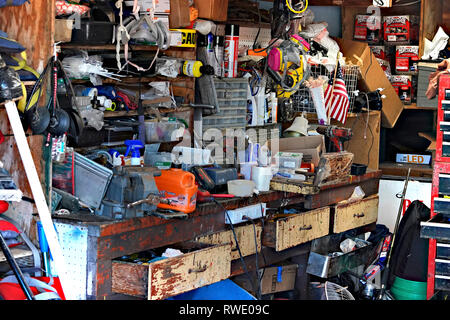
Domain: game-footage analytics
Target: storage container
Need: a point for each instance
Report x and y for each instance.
(91, 181)
(215, 10)
(179, 188)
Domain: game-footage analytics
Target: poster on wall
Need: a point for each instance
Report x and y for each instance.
(389, 202)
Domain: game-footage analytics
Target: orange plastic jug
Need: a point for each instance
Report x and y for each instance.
(179, 187)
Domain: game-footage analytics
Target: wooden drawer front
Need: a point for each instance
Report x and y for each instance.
(291, 231)
(245, 236)
(355, 214)
(172, 276)
(193, 270)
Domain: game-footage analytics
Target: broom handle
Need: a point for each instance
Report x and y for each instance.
(388, 260)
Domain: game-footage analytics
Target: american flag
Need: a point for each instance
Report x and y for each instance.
(337, 101)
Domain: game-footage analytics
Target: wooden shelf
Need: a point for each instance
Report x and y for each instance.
(401, 170)
(89, 47)
(414, 106)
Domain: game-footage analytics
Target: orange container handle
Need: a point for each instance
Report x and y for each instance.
(188, 180)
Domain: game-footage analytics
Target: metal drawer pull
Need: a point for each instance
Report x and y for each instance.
(306, 228)
(359, 215)
(198, 270)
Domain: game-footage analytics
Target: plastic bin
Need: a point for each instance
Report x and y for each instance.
(231, 83)
(161, 131)
(403, 289)
(222, 290)
(231, 93)
(91, 180)
(220, 121)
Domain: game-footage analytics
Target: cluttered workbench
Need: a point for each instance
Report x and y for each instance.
(109, 240)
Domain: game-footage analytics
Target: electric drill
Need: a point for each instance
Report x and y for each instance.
(336, 135)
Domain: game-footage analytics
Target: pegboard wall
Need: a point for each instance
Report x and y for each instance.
(247, 36)
(73, 240)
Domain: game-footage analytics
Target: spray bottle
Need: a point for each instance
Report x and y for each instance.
(133, 146)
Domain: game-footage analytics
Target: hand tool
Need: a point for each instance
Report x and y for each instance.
(205, 196)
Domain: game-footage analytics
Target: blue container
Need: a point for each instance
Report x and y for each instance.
(222, 290)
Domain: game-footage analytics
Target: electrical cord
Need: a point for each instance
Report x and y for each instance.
(244, 265)
(290, 7)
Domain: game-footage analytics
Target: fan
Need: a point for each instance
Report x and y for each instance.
(336, 292)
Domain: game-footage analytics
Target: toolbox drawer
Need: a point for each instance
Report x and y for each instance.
(202, 265)
(436, 228)
(296, 229)
(443, 250)
(442, 282)
(442, 205)
(444, 183)
(245, 236)
(446, 105)
(351, 215)
(442, 267)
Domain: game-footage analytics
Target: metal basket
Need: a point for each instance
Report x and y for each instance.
(302, 99)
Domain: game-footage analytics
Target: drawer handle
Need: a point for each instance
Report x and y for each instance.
(359, 215)
(306, 228)
(199, 270)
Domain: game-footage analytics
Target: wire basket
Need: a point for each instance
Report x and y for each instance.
(302, 99)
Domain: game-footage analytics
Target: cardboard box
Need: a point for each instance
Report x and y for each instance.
(368, 28)
(404, 87)
(406, 59)
(379, 52)
(215, 10)
(413, 158)
(275, 279)
(311, 147)
(401, 29)
(179, 16)
(372, 78)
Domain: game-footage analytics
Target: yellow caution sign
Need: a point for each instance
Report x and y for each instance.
(185, 38)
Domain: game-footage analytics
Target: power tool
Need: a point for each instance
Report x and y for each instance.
(336, 136)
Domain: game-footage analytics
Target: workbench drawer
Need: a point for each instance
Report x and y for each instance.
(351, 215)
(245, 236)
(200, 265)
(288, 232)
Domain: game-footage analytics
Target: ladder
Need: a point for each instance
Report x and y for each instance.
(38, 194)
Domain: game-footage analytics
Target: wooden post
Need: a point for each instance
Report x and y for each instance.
(38, 194)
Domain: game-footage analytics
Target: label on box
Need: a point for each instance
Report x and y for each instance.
(407, 59)
(400, 28)
(403, 86)
(367, 28)
(413, 158)
(379, 52)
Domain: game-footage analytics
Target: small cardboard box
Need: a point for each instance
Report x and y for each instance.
(368, 28)
(406, 59)
(311, 147)
(404, 87)
(401, 29)
(379, 52)
(413, 158)
(275, 279)
(215, 10)
(372, 78)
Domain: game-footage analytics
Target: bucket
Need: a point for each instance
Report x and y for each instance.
(403, 289)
